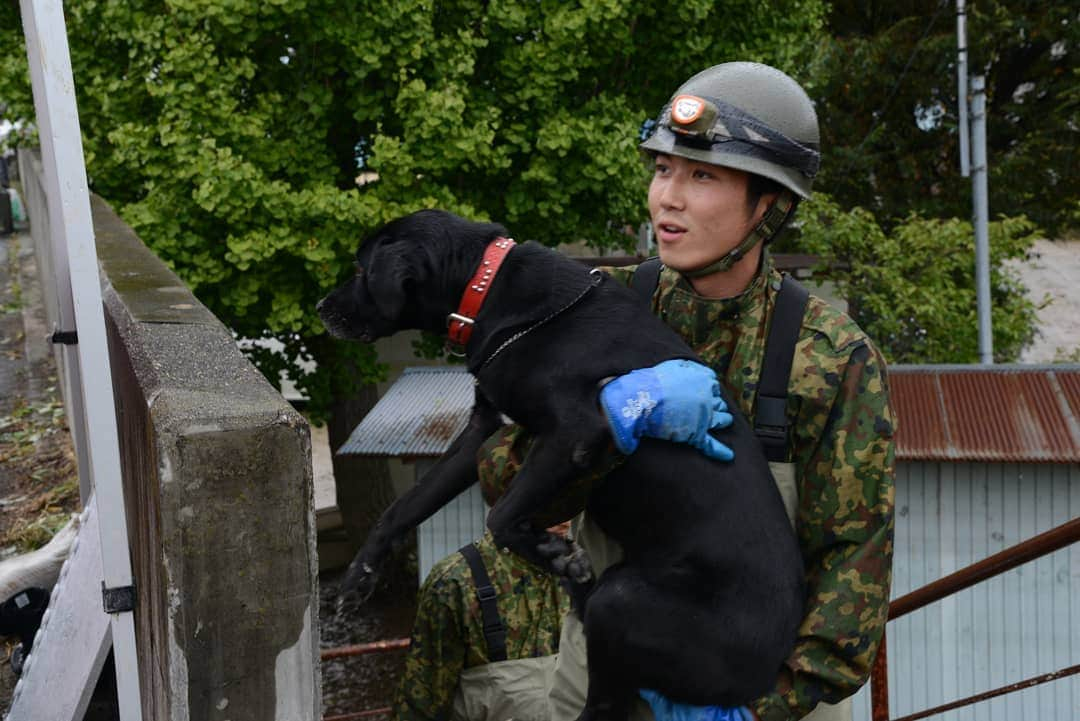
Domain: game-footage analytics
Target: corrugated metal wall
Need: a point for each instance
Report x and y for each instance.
(454, 525)
(1021, 624)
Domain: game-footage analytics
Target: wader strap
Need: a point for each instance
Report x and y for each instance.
(770, 420)
(494, 630)
(646, 277)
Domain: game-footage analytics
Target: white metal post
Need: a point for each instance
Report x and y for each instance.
(75, 263)
(962, 89)
(982, 217)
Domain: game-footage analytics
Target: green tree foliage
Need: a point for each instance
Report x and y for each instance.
(912, 288)
(229, 134)
(886, 85)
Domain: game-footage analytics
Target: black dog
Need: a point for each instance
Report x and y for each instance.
(21, 616)
(705, 605)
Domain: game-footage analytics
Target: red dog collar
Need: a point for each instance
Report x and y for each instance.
(460, 324)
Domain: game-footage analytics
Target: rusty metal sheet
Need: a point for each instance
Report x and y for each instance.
(421, 415)
(1005, 413)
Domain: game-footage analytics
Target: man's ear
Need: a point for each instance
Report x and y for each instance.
(764, 202)
(390, 278)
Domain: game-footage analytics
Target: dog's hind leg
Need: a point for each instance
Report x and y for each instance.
(663, 634)
(452, 473)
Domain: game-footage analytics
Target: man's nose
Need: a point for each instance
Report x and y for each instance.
(672, 195)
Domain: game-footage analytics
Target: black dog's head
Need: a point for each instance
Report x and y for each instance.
(409, 274)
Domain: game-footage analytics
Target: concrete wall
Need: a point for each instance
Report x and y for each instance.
(218, 493)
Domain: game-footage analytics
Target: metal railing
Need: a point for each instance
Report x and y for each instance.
(1006, 560)
(1029, 550)
(362, 649)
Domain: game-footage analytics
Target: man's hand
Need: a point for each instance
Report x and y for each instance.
(677, 400)
(664, 709)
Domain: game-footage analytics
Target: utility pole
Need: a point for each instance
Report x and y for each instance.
(982, 217)
(962, 82)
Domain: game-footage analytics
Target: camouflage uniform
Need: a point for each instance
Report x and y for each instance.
(842, 452)
(448, 635)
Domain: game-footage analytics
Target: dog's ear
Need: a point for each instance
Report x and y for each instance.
(390, 278)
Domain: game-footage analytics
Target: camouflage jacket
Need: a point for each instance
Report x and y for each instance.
(448, 635)
(842, 448)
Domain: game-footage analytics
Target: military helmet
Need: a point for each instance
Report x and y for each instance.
(746, 116)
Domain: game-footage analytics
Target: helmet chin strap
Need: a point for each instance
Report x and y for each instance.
(775, 218)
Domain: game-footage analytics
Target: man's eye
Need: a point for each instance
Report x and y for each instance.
(702, 174)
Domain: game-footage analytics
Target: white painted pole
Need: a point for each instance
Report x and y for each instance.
(962, 89)
(73, 245)
(982, 217)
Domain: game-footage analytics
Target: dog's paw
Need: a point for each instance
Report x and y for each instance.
(357, 587)
(553, 547)
(578, 567)
(572, 562)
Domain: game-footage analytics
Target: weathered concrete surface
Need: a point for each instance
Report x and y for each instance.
(218, 488)
(1052, 276)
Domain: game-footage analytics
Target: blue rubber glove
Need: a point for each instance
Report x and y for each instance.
(677, 400)
(665, 709)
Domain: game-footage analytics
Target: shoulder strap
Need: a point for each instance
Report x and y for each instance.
(646, 277)
(494, 630)
(770, 420)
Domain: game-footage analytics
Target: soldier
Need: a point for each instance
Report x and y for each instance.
(487, 628)
(733, 152)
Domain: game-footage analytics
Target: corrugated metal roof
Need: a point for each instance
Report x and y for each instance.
(421, 415)
(1002, 413)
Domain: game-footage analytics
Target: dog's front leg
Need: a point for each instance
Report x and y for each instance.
(452, 473)
(553, 463)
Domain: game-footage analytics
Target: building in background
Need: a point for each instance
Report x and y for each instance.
(987, 457)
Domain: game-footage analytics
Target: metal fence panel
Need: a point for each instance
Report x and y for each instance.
(452, 526)
(1021, 624)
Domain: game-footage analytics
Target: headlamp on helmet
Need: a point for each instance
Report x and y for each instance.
(702, 122)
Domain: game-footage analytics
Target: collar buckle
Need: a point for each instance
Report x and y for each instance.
(459, 318)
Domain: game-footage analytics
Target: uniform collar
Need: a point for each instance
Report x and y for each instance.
(697, 316)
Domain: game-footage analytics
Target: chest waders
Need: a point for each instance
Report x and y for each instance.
(501, 689)
(771, 426)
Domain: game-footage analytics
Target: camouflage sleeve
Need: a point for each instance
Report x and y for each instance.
(437, 654)
(499, 459)
(845, 528)
(622, 274)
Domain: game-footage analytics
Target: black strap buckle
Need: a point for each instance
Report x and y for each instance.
(771, 427)
(118, 599)
(65, 337)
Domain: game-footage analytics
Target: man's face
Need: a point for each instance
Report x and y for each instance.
(698, 210)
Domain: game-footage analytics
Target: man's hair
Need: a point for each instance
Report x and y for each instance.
(757, 186)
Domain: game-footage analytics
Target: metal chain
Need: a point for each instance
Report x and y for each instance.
(597, 279)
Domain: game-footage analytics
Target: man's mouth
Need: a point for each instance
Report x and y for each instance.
(669, 231)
